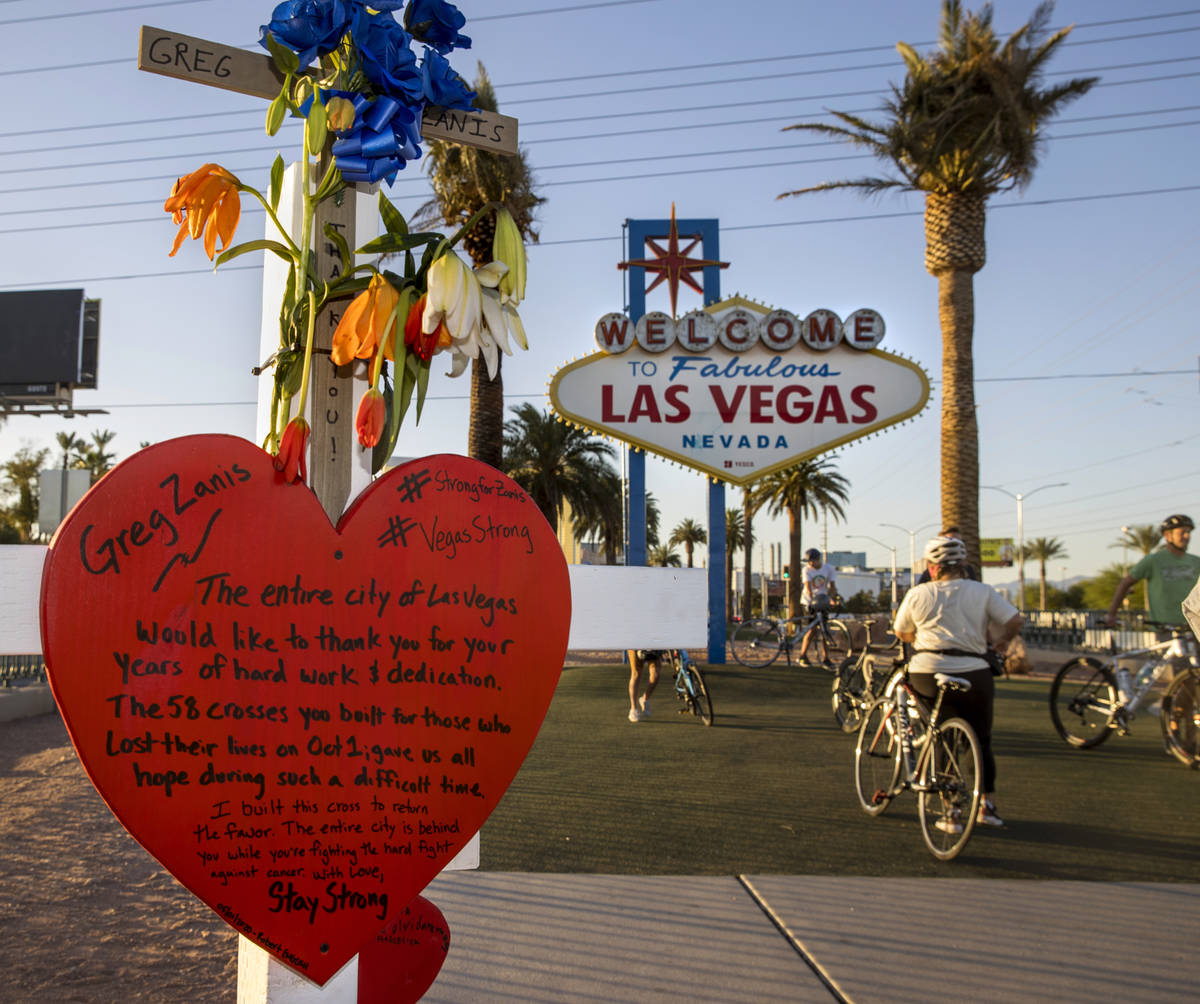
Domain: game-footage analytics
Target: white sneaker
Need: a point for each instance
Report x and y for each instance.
(635, 715)
(987, 815)
(644, 705)
(948, 825)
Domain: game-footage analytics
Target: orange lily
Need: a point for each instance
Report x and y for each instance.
(206, 201)
(371, 418)
(363, 323)
(290, 461)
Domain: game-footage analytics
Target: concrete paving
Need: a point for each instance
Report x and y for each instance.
(555, 938)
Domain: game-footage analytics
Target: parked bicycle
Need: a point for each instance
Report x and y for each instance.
(862, 679)
(902, 746)
(690, 687)
(758, 643)
(1091, 699)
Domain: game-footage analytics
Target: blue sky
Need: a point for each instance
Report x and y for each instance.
(1086, 344)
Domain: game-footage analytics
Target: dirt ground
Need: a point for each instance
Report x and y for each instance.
(86, 915)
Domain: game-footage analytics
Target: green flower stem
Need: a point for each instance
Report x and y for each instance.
(308, 349)
(448, 242)
(271, 213)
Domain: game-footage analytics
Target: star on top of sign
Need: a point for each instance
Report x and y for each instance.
(672, 264)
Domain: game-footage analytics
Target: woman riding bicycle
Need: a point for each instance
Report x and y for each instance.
(948, 621)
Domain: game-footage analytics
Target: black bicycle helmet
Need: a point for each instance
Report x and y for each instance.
(812, 554)
(945, 551)
(1177, 521)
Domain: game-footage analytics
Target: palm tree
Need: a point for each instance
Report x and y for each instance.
(555, 462)
(653, 520)
(662, 556)
(67, 442)
(1143, 538)
(19, 477)
(1043, 549)
(966, 124)
(464, 181)
(689, 533)
(810, 488)
(749, 508)
(94, 456)
(600, 518)
(735, 537)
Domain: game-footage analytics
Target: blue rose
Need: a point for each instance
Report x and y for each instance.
(444, 87)
(310, 28)
(387, 59)
(436, 23)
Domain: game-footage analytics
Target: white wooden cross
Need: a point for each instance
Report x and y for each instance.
(332, 393)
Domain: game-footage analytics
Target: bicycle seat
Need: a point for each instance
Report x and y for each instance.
(952, 682)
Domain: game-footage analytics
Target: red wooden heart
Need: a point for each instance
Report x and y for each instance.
(303, 724)
(401, 963)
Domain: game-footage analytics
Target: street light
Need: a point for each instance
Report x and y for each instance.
(864, 536)
(912, 548)
(1021, 497)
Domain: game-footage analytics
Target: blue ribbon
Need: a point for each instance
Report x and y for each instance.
(384, 137)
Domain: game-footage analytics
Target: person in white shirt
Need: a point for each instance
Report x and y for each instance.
(950, 622)
(818, 590)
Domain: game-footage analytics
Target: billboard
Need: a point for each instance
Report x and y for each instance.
(739, 390)
(48, 338)
(996, 552)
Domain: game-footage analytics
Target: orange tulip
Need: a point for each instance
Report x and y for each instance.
(290, 460)
(371, 418)
(424, 345)
(206, 201)
(361, 328)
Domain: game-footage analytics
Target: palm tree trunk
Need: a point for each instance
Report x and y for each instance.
(795, 561)
(748, 512)
(728, 584)
(485, 436)
(954, 251)
(960, 430)
(1043, 584)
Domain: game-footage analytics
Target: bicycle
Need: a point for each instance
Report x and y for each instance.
(1091, 699)
(758, 643)
(902, 746)
(690, 687)
(859, 682)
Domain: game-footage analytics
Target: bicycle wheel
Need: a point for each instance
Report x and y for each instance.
(698, 699)
(877, 759)
(953, 776)
(1083, 702)
(837, 644)
(849, 696)
(756, 643)
(1181, 718)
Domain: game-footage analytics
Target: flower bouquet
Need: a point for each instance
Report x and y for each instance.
(367, 93)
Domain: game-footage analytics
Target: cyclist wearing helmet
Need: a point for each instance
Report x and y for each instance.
(817, 591)
(1170, 574)
(818, 580)
(950, 621)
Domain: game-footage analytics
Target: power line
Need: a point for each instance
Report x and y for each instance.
(617, 237)
(584, 118)
(61, 15)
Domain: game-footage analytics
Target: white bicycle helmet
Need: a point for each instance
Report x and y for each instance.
(945, 551)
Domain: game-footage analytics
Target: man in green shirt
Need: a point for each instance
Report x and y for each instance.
(1170, 574)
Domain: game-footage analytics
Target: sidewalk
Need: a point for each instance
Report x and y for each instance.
(566, 938)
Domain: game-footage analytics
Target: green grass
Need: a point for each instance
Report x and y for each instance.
(769, 788)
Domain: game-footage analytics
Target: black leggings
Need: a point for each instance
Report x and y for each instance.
(974, 707)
